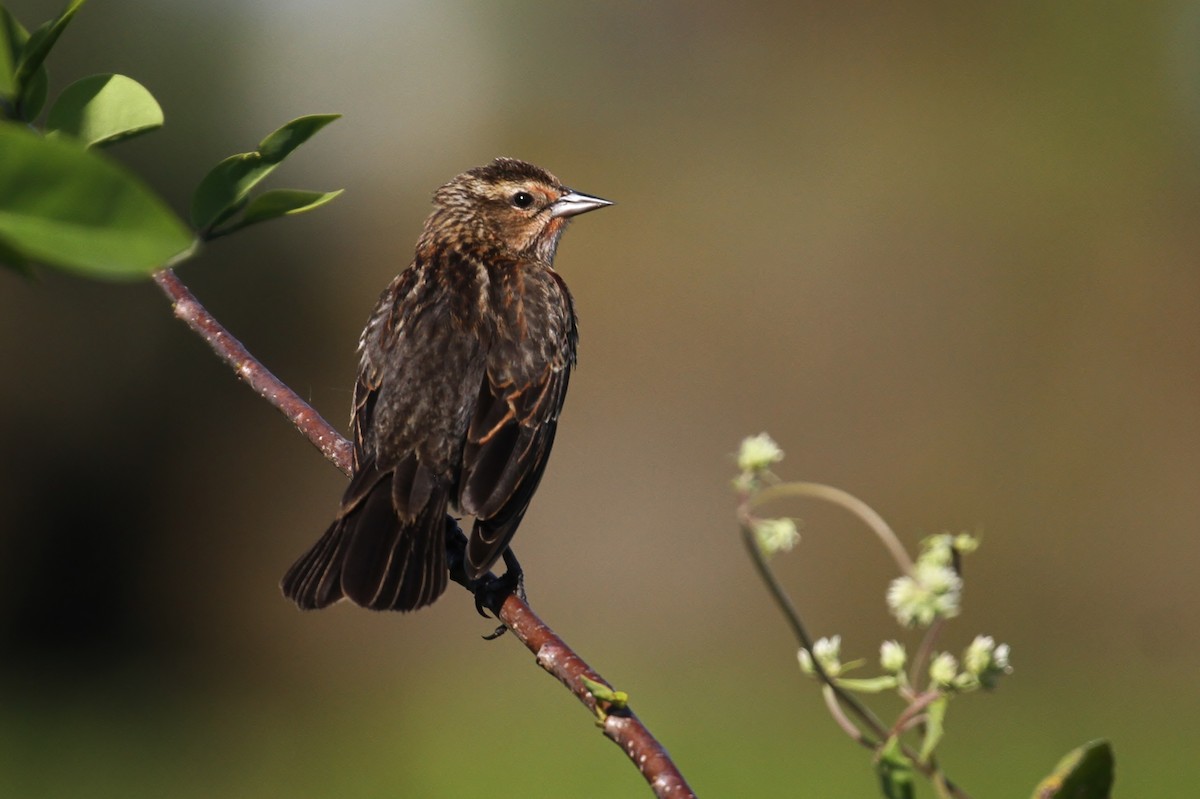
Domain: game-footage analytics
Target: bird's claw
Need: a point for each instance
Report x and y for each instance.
(490, 593)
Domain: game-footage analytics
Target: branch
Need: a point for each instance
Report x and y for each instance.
(188, 309)
(620, 725)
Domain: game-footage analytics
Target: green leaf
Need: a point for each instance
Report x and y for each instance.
(280, 202)
(38, 47)
(223, 191)
(1085, 773)
(33, 95)
(24, 99)
(935, 727)
(75, 209)
(14, 36)
(13, 260)
(103, 109)
(895, 771)
(8, 71)
(868, 685)
(279, 144)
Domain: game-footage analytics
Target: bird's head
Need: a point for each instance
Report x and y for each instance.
(509, 204)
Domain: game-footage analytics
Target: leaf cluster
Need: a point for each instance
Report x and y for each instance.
(65, 204)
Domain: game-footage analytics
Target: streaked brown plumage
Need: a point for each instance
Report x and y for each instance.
(464, 367)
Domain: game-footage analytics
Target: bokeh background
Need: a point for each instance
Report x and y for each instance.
(946, 255)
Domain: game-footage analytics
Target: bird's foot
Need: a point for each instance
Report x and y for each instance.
(490, 592)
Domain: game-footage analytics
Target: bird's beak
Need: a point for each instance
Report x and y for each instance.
(574, 203)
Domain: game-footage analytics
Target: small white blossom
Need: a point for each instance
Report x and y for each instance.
(931, 592)
(827, 652)
(943, 669)
(892, 656)
(757, 453)
(939, 579)
(979, 654)
(985, 661)
(1000, 658)
(775, 535)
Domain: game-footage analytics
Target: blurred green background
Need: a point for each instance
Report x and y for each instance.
(945, 254)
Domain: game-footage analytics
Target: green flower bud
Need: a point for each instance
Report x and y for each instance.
(965, 543)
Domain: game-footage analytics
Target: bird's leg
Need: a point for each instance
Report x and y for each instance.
(490, 592)
(513, 579)
(456, 552)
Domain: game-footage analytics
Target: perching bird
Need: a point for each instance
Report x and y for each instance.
(464, 367)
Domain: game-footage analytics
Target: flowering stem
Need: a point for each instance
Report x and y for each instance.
(846, 500)
(924, 651)
(801, 632)
(833, 692)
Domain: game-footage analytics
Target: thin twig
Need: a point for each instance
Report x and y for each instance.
(924, 651)
(621, 726)
(914, 710)
(864, 714)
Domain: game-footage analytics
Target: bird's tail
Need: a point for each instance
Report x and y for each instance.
(373, 554)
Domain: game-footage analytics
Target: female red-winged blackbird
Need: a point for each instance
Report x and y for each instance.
(464, 367)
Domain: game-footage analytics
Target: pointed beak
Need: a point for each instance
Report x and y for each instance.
(574, 203)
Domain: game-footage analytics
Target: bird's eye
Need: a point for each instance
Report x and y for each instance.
(522, 199)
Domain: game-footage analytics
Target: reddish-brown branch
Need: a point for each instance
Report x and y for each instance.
(621, 726)
(188, 309)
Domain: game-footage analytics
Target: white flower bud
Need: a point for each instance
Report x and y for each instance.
(932, 592)
(775, 535)
(757, 453)
(943, 669)
(892, 656)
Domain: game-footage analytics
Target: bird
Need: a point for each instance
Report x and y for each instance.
(463, 369)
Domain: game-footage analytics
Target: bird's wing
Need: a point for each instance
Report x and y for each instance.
(511, 433)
